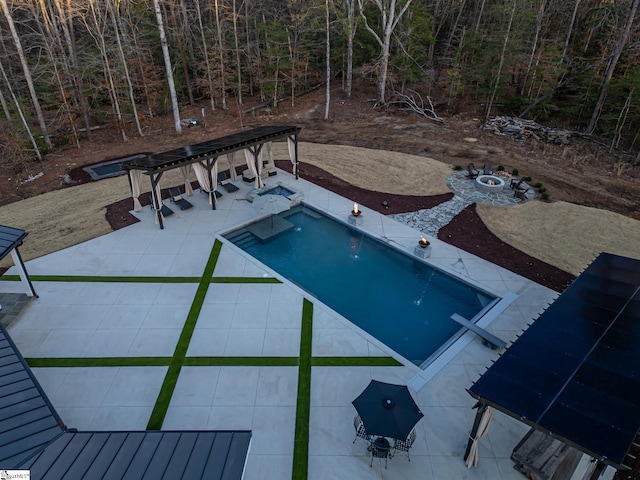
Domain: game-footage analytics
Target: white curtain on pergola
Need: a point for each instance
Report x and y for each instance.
(251, 163)
(292, 154)
(135, 176)
(187, 184)
(203, 179)
(231, 158)
(483, 428)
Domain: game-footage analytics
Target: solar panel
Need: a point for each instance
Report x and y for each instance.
(576, 371)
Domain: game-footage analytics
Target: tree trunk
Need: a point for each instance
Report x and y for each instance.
(351, 33)
(502, 55)
(237, 46)
(167, 64)
(389, 20)
(613, 61)
(116, 30)
(206, 55)
(19, 109)
(27, 73)
(221, 48)
(328, 55)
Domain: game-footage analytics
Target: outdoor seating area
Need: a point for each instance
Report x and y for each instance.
(191, 333)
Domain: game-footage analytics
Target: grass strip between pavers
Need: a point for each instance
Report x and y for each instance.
(120, 279)
(103, 279)
(355, 362)
(99, 362)
(303, 404)
(171, 378)
(240, 362)
(245, 280)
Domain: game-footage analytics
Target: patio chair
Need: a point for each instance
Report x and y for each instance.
(360, 431)
(405, 445)
(225, 182)
(471, 171)
(176, 197)
(521, 194)
(516, 183)
(487, 170)
(380, 448)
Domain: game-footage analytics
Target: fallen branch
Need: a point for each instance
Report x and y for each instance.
(412, 104)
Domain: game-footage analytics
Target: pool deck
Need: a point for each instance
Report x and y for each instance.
(249, 352)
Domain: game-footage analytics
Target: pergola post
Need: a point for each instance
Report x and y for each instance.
(597, 471)
(157, 202)
(22, 271)
(474, 431)
(213, 185)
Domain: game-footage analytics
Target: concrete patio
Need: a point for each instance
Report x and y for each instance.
(179, 329)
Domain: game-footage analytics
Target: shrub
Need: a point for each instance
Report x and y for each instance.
(537, 185)
(500, 168)
(544, 196)
(515, 172)
(542, 190)
(457, 167)
(527, 179)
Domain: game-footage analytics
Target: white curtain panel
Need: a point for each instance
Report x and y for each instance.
(483, 428)
(231, 158)
(187, 184)
(292, 154)
(136, 185)
(203, 179)
(251, 164)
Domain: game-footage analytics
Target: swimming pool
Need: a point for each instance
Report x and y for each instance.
(395, 297)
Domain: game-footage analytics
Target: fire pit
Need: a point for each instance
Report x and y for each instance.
(489, 183)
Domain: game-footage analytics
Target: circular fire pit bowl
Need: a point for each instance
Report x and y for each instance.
(489, 183)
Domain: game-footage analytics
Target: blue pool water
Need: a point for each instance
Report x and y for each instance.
(396, 298)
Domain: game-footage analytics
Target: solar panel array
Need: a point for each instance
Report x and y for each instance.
(576, 371)
(210, 148)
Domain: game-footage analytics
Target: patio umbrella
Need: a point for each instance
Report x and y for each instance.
(387, 410)
(271, 204)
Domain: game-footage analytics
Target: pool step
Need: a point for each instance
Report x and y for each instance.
(244, 239)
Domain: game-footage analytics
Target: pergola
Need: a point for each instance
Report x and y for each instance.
(202, 157)
(10, 239)
(575, 373)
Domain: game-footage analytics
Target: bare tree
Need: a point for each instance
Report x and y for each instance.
(611, 66)
(390, 14)
(221, 51)
(26, 72)
(328, 56)
(167, 64)
(500, 65)
(22, 119)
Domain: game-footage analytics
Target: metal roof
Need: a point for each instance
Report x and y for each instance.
(211, 148)
(10, 238)
(33, 437)
(575, 373)
(28, 421)
(153, 455)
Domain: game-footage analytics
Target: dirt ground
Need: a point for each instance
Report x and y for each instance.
(582, 173)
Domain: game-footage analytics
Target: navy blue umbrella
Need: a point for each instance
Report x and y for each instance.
(387, 410)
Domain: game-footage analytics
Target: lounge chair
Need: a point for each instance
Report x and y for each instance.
(176, 197)
(164, 210)
(471, 171)
(516, 183)
(486, 170)
(521, 194)
(225, 182)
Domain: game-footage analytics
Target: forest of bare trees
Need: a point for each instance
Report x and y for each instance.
(70, 66)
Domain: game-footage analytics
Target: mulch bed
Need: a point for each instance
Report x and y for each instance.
(465, 231)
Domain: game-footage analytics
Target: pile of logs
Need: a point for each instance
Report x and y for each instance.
(522, 129)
